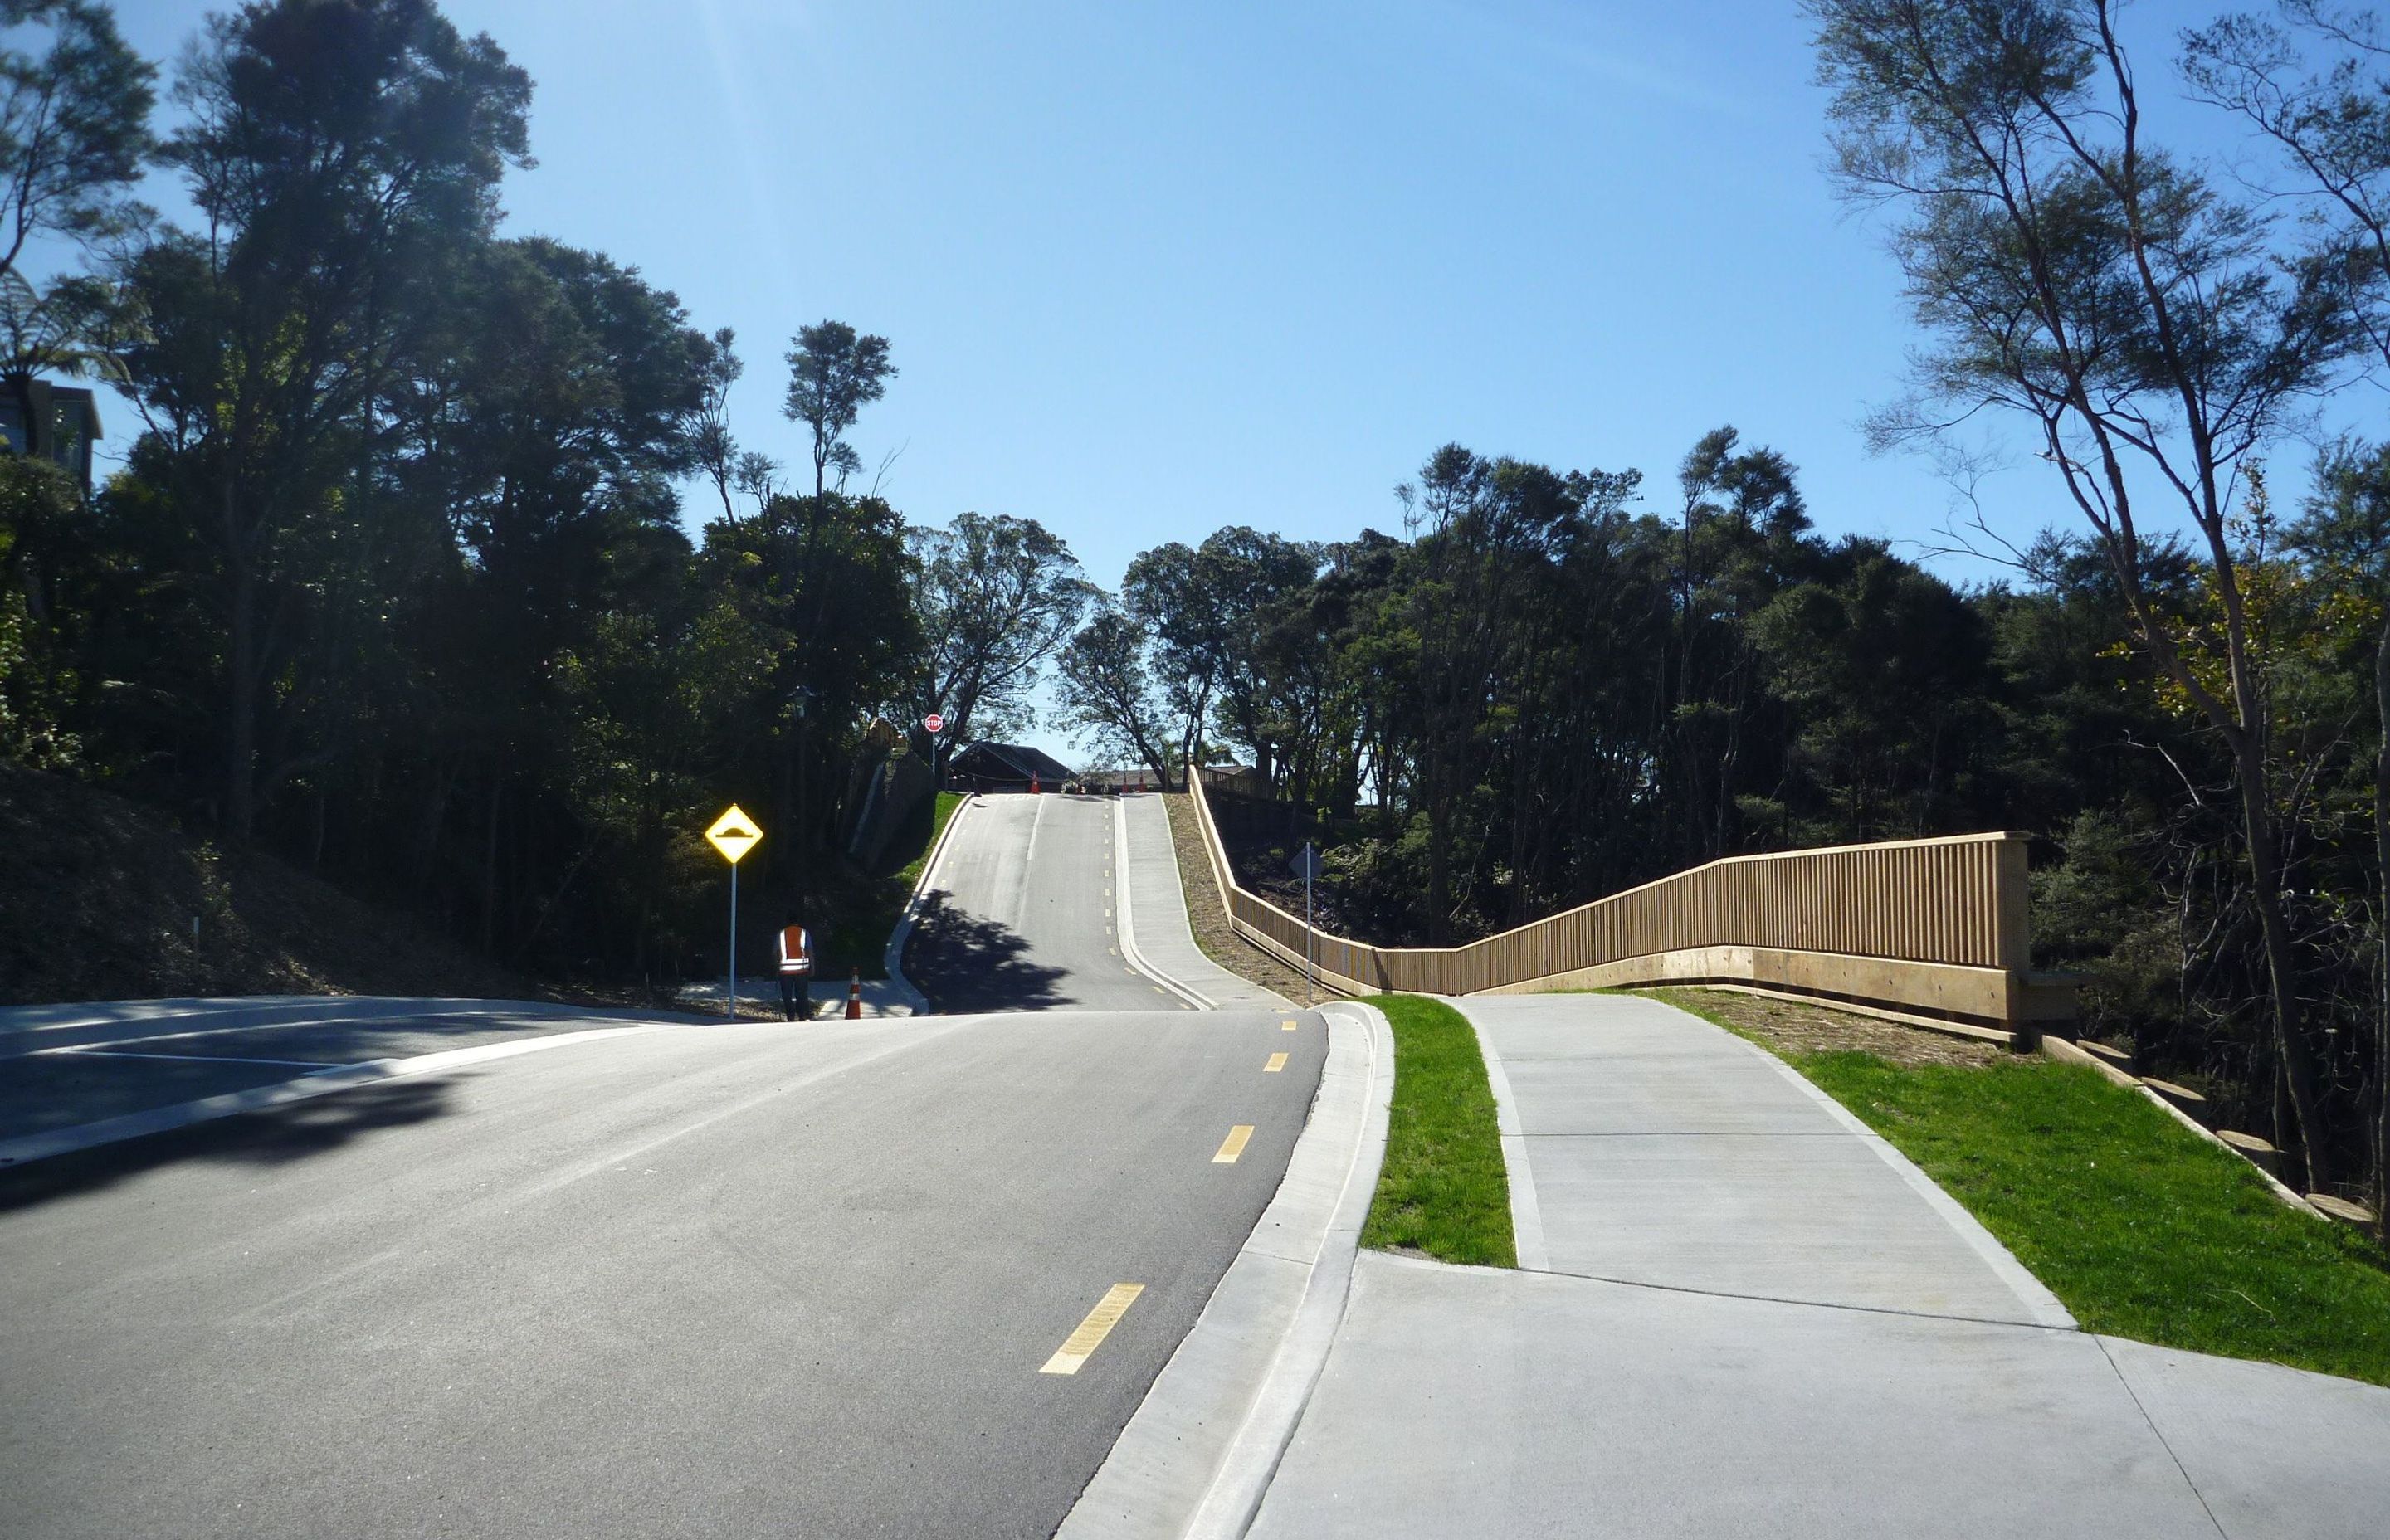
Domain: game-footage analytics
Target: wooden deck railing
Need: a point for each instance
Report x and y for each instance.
(1933, 929)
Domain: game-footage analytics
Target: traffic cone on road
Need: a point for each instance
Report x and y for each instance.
(854, 998)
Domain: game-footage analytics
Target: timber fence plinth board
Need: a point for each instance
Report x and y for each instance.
(1937, 930)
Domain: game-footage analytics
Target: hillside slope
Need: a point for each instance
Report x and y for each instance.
(98, 896)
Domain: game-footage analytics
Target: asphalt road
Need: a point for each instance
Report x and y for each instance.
(705, 1280)
(1025, 917)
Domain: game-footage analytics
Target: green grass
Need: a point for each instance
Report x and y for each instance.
(1442, 1189)
(910, 873)
(2140, 1226)
(860, 920)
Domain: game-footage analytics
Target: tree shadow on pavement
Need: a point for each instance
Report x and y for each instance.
(271, 1136)
(966, 963)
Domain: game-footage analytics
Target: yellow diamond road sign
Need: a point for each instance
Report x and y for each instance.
(734, 834)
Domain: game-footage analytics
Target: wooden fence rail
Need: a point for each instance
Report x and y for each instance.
(1922, 929)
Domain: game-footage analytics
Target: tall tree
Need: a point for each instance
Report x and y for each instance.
(75, 128)
(2128, 309)
(834, 373)
(1106, 689)
(2316, 84)
(345, 154)
(999, 596)
(716, 451)
(2346, 531)
(1209, 609)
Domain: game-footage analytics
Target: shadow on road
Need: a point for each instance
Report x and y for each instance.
(966, 963)
(274, 1136)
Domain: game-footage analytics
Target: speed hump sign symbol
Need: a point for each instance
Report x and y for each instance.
(734, 834)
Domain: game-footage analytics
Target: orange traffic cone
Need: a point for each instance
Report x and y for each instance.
(854, 998)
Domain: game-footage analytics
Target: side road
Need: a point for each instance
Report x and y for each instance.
(1740, 1312)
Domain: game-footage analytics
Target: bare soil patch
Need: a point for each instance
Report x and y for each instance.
(1209, 919)
(1788, 1026)
(104, 898)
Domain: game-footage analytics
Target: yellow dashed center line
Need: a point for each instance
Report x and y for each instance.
(1234, 1145)
(1277, 1062)
(1286, 1026)
(1080, 1344)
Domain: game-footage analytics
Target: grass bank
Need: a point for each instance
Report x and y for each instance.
(855, 939)
(2140, 1227)
(943, 814)
(1441, 1190)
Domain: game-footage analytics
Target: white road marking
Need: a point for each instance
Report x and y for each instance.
(190, 1058)
(373, 1072)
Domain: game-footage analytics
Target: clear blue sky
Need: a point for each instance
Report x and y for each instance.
(1151, 269)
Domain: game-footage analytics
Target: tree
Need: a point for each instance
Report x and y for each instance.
(2121, 303)
(822, 584)
(1105, 688)
(1165, 591)
(1207, 608)
(345, 154)
(36, 682)
(833, 374)
(2346, 532)
(75, 128)
(2329, 118)
(999, 596)
(716, 452)
(1742, 513)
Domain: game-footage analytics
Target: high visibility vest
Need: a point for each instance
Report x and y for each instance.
(796, 950)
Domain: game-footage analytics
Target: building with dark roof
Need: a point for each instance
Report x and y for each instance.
(1005, 767)
(66, 425)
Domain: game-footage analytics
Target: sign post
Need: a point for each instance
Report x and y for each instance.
(1307, 866)
(734, 834)
(933, 725)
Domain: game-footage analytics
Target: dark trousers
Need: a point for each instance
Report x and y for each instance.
(796, 995)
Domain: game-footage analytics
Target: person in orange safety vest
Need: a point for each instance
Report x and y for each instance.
(796, 967)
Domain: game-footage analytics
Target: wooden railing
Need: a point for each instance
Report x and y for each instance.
(1935, 930)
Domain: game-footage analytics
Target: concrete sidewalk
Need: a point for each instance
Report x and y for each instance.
(1745, 1315)
(1153, 914)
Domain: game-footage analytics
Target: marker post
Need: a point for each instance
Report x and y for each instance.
(734, 834)
(1307, 866)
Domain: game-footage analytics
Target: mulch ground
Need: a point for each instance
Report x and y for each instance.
(1209, 919)
(1790, 1026)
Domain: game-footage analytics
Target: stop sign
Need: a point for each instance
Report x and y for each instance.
(934, 723)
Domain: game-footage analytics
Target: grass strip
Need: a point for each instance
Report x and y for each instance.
(2140, 1226)
(910, 873)
(855, 935)
(1442, 1189)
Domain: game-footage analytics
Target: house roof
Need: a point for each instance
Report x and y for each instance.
(1014, 760)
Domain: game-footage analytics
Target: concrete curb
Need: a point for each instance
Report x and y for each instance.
(891, 961)
(1197, 1456)
(1126, 927)
(1526, 1214)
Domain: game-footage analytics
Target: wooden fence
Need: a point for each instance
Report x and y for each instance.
(1924, 929)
